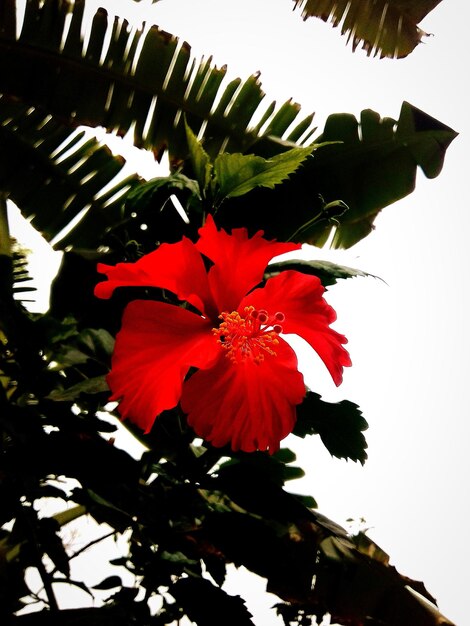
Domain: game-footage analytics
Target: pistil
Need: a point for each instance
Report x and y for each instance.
(252, 334)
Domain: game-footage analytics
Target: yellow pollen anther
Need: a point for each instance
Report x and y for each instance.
(251, 334)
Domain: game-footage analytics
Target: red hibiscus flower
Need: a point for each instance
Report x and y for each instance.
(246, 386)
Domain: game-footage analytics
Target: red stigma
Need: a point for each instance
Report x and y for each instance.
(249, 335)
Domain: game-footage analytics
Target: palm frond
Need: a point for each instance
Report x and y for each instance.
(21, 274)
(58, 177)
(388, 28)
(143, 82)
(370, 164)
(125, 78)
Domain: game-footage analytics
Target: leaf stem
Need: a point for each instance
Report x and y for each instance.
(92, 543)
(317, 218)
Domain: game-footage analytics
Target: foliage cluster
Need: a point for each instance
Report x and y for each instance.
(191, 510)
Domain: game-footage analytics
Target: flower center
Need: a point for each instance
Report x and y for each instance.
(251, 334)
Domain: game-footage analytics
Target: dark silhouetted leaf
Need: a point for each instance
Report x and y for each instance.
(275, 468)
(89, 616)
(365, 545)
(208, 605)
(378, 167)
(385, 27)
(339, 425)
(52, 544)
(111, 582)
(163, 84)
(90, 385)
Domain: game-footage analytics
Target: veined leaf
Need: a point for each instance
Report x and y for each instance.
(326, 271)
(237, 174)
(373, 166)
(141, 195)
(200, 160)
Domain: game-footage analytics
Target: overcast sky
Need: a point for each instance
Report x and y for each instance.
(408, 336)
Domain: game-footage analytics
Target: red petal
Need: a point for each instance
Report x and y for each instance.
(177, 267)
(249, 405)
(239, 261)
(300, 298)
(154, 349)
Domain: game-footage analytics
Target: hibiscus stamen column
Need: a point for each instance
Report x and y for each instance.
(252, 334)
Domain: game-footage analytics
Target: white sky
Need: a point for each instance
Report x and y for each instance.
(407, 338)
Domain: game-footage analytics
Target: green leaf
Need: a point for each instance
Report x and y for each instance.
(141, 195)
(55, 175)
(377, 167)
(200, 160)
(177, 557)
(339, 425)
(326, 271)
(47, 86)
(98, 341)
(104, 510)
(307, 501)
(275, 468)
(97, 384)
(362, 583)
(51, 67)
(374, 166)
(254, 481)
(365, 545)
(90, 344)
(237, 174)
(69, 515)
